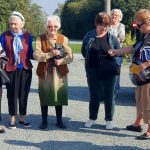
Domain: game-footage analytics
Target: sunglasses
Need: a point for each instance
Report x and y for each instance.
(53, 27)
(140, 25)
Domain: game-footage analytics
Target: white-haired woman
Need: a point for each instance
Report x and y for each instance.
(18, 47)
(53, 54)
(117, 29)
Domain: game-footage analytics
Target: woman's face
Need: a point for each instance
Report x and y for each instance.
(52, 28)
(144, 27)
(115, 17)
(101, 29)
(15, 25)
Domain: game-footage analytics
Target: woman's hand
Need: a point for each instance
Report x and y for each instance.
(58, 62)
(55, 52)
(113, 52)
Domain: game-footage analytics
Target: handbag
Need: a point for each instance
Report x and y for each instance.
(4, 77)
(140, 67)
(140, 74)
(111, 67)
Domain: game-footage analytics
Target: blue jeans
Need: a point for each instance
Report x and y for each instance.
(119, 62)
(101, 89)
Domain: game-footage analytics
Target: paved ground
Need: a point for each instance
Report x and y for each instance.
(75, 137)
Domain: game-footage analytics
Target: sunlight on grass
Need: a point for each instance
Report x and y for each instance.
(76, 48)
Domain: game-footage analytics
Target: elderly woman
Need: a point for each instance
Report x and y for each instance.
(142, 95)
(101, 76)
(118, 29)
(53, 54)
(18, 47)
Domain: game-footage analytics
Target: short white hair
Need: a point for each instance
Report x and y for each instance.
(119, 11)
(18, 15)
(53, 18)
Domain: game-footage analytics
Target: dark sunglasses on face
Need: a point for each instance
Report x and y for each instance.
(53, 27)
(140, 25)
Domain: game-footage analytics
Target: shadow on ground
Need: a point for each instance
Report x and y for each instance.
(125, 96)
(67, 145)
(73, 126)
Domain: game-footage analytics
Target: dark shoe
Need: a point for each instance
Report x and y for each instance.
(133, 128)
(61, 125)
(12, 125)
(25, 124)
(43, 126)
(2, 130)
(143, 137)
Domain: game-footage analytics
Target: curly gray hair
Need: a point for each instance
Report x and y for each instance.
(53, 18)
(118, 11)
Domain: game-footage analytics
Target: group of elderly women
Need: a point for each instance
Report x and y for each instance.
(53, 54)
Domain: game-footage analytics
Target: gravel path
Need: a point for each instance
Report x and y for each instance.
(75, 137)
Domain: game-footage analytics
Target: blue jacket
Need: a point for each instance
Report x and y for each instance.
(89, 38)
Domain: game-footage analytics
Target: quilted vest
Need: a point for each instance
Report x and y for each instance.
(24, 57)
(43, 66)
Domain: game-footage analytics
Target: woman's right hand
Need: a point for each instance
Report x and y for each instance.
(55, 52)
(113, 52)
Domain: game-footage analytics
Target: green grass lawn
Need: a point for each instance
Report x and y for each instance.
(76, 48)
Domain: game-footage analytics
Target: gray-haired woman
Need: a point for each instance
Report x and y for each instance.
(18, 47)
(53, 54)
(117, 29)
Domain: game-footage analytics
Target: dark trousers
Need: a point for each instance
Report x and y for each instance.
(18, 89)
(101, 89)
(44, 111)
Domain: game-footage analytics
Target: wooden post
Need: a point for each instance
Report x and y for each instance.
(107, 4)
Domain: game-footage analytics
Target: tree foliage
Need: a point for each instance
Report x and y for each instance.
(78, 15)
(32, 13)
(129, 7)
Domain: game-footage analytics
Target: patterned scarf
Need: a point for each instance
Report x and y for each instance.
(17, 46)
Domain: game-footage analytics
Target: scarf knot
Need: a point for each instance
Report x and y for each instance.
(17, 46)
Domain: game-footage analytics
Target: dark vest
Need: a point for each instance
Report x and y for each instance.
(24, 56)
(42, 66)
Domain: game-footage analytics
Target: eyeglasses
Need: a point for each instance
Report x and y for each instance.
(53, 27)
(140, 25)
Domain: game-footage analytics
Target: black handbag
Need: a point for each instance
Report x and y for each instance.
(111, 67)
(108, 64)
(4, 77)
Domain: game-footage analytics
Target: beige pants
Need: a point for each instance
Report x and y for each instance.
(142, 95)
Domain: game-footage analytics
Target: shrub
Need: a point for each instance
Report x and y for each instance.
(128, 42)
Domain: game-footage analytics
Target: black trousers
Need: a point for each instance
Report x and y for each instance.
(101, 89)
(44, 111)
(18, 89)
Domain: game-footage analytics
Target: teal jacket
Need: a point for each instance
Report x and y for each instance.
(89, 38)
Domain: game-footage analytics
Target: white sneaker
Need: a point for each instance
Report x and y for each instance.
(109, 125)
(89, 123)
